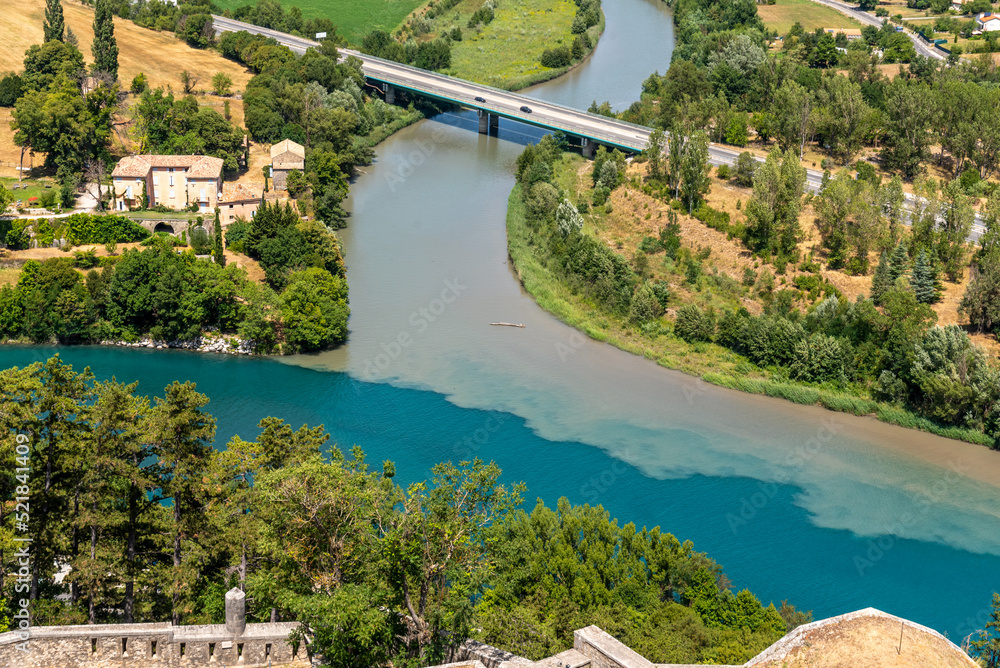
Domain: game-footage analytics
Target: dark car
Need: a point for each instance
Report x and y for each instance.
(525, 109)
(480, 99)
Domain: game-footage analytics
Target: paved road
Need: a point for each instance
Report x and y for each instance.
(543, 114)
(503, 103)
(922, 47)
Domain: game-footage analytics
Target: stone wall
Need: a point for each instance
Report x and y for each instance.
(119, 645)
(605, 651)
(233, 644)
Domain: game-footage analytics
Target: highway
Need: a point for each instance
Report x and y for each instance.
(922, 47)
(543, 114)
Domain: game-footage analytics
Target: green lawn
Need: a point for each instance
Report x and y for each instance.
(35, 188)
(507, 52)
(354, 18)
(783, 15)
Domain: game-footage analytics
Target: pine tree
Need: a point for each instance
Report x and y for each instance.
(987, 646)
(220, 257)
(898, 262)
(924, 278)
(880, 281)
(54, 23)
(104, 47)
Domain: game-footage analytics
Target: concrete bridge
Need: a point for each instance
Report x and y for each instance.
(490, 103)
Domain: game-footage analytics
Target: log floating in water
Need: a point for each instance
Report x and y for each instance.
(506, 324)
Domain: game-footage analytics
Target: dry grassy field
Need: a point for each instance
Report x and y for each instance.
(160, 55)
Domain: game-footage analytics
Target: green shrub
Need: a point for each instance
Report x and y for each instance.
(722, 172)
(85, 228)
(85, 259)
(694, 324)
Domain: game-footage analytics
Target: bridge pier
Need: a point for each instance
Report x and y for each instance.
(494, 123)
(390, 93)
(587, 146)
(484, 122)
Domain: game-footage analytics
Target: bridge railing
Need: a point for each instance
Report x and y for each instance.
(472, 86)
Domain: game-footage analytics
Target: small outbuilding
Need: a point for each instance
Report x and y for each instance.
(286, 155)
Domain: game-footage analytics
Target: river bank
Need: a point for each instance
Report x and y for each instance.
(709, 362)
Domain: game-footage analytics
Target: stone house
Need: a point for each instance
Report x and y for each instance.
(175, 181)
(286, 155)
(238, 200)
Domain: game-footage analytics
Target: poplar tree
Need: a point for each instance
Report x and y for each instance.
(54, 22)
(104, 47)
(220, 257)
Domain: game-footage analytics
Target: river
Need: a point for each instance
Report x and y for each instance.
(831, 512)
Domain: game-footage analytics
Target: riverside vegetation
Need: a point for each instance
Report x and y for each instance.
(156, 525)
(881, 355)
(158, 293)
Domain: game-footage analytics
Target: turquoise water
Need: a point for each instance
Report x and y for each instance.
(831, 512)
(779, 553)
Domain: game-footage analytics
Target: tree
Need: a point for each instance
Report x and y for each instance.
(987, 645)
(188, 81)
(952, 236)
(654, 153)
(568, 218)
(104, 47)
(219, 247)
(694, 324)
(981, 301)
(675, 159)
(773, 211)
(644, 305)
(793, 105)
(907, 116)
(54, 25)
(435, 551)
(222, 84)
(181, 434)
(314, 310)
(923, 279)
(694, 170)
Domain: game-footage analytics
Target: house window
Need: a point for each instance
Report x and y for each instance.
(156, 179)
(171, 193)
(201, 196)
(171, 178)
(128, 192)
(231, 206)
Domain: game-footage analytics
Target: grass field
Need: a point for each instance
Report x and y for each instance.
(507, 52)
(35, 187)
(783, 15)
(354, 18)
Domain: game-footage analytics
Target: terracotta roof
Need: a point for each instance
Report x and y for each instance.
(197, 166)
(237, 192)
(133, 165)
(288, 146)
